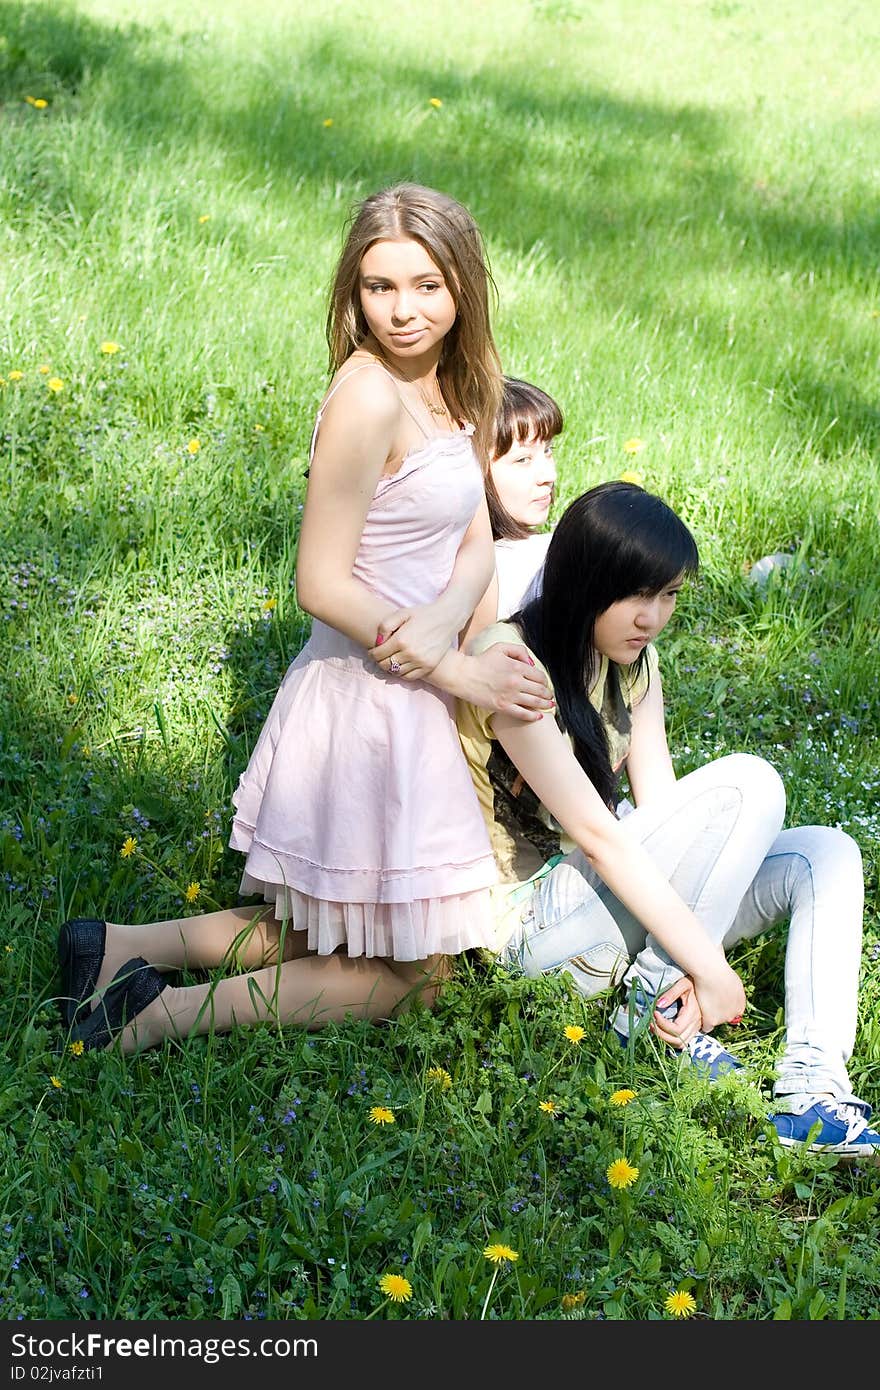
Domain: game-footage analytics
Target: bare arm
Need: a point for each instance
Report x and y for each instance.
(474, 567)
(543, 755)
(651, 775)
(357, 438)
(432, 629)
(359, 435)
(485, 613)
(648, 764)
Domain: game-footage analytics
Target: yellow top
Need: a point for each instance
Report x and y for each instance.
(523, 833)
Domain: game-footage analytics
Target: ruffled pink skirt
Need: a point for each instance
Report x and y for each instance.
(358, 816)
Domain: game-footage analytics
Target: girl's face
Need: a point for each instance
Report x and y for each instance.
(524, 478)
(625, 629)
(405, 299)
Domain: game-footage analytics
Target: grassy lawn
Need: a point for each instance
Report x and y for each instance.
(680, 204)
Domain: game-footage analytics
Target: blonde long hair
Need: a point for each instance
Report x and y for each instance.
(469, 370)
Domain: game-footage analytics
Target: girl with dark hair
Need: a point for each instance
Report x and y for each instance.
(369, 874)
(520, 488)
(649, 898)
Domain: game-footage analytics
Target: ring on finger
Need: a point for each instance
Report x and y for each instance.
(394, 667)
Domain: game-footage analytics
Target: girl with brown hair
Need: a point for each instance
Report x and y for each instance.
(356, 813)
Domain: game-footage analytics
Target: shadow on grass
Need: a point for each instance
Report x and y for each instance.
(591, 180)
(589, 184)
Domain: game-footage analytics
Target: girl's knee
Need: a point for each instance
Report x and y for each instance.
(759, 782)
(826, 849)
(845, 849)
(420, 979)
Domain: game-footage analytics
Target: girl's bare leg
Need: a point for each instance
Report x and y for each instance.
(244, 937)
(307, 993)
(425, 976)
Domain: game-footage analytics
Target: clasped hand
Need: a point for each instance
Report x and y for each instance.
(700, 1010)
(413, 642)
(504, 678)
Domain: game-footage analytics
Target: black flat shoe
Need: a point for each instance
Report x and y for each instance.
(135, 985)
(80, 953)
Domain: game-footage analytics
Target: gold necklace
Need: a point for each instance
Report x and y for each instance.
(434, 409)
(437, 410)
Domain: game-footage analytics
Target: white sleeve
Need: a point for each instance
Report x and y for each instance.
(520, 566)
(535, 586)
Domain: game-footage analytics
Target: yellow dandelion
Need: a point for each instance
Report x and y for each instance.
(72, 699)
(270, 605)
(75, 1049)
(44, 369)
(41, 103)
(548, 1107)
(2, 380)
(205, 217)
(9, 950)
(621, 1174)
(497, 1253)
(258, 429)
(109, 347)
(630, 475)
(56, 1082)
(193, 890)
(128, 848)
(622, 1097)
(55, 384)
(328, 123)
(439, 1076)
(16, 375)
(435, 102)
(633, 446)
(381, 1115)
(193, 446)
(395, 1287)
(680, 1304)
(570, 1301)
(575, 1034)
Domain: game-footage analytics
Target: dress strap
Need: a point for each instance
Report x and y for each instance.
(412, 417)
(332, 392)
(342, 379)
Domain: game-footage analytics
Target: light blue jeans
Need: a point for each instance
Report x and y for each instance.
(717, 837)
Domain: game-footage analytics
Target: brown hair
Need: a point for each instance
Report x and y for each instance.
(525, 412)
(469, 370)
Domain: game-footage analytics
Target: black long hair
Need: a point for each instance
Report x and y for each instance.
(610, 543)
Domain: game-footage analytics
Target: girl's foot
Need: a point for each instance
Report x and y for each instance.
(135, 986)
(708, 1058)
(829, 1126)
(91, 952)
(81, 945)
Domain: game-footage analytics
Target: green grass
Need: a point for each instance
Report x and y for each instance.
(679, 201)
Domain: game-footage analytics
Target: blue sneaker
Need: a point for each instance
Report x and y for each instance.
(708, 1058)
(842, 1130)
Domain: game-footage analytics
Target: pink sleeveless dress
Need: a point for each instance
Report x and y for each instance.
(356, 812)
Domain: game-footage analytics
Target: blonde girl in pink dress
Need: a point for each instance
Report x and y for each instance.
(356, 812)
